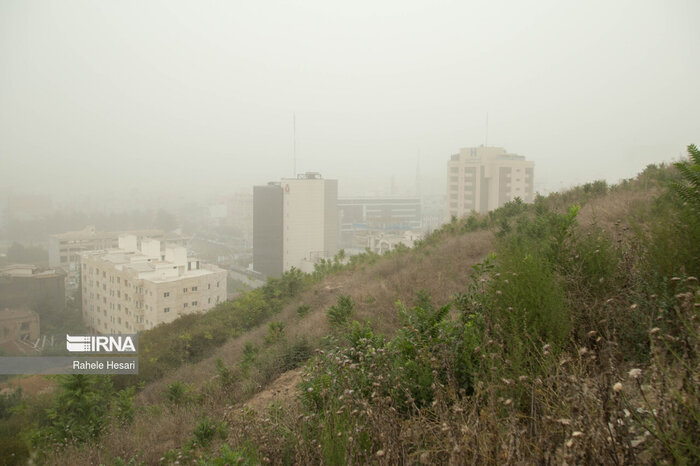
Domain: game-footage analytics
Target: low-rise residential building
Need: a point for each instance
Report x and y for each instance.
(381, 243)
(23, 285)
(137, 286)
(18, 324)
(389, 215)
(65, 248)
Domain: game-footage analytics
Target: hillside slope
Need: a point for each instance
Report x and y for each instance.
(518, 358)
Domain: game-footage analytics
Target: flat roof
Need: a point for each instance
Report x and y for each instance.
(12, 314)
(92, 234)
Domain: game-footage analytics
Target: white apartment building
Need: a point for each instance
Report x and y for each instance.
(482, 179)
(65, 248)
(310, 225)
(136, 287)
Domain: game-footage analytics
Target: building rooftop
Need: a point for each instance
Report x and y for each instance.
(89, 232)
(171, 266)
(12, 314)
(28, 270)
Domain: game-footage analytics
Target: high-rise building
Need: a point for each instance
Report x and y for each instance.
(482, 179)
(133, 288)
(267, 230)
(309, 225)
(310, 220)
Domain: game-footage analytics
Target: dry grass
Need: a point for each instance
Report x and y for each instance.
(481, 429)
(442, 270)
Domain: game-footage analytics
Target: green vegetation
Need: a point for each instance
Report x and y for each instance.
(195, 336)
(339, 314)
(576, 340)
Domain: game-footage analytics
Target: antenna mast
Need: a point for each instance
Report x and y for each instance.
(418, 173)
(486, 142)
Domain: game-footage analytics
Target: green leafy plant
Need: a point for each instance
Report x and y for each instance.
(207, 430)
(178, 393)
(689, 188)
(339, 314)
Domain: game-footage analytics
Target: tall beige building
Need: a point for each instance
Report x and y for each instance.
(310, 225)
(482, 179)
(136, 286)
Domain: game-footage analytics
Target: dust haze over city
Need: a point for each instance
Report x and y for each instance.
(104, 103)
(212, 209)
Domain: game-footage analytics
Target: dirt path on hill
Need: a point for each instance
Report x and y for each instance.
(282, 390)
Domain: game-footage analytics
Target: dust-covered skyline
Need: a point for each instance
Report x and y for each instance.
(103, 98)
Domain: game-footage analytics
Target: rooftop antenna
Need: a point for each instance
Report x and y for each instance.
(294, 129)
(486, 142)
(418, 173)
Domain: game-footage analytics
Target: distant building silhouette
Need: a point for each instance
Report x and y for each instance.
(29, 286)
(387, 215)
(482, 179)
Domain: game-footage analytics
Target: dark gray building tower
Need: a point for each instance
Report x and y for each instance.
(267, 229)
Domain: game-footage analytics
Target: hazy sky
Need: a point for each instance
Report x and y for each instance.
(141, 96)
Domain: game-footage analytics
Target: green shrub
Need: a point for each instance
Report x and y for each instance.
(591, 264)
(178, 393)
(275, 332)
(206, 430)
(339, 314)
(688, 189)
(124, 406)
(225, 374)
(296, 353)
(79, 413)
(247, 455)
(8, 401)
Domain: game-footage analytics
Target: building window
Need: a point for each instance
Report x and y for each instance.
(167, 309)
(208, 286)
(194, 288)
(184, 290)
(194, 303)
(166, 294)
(185, 305)
(217, 284)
